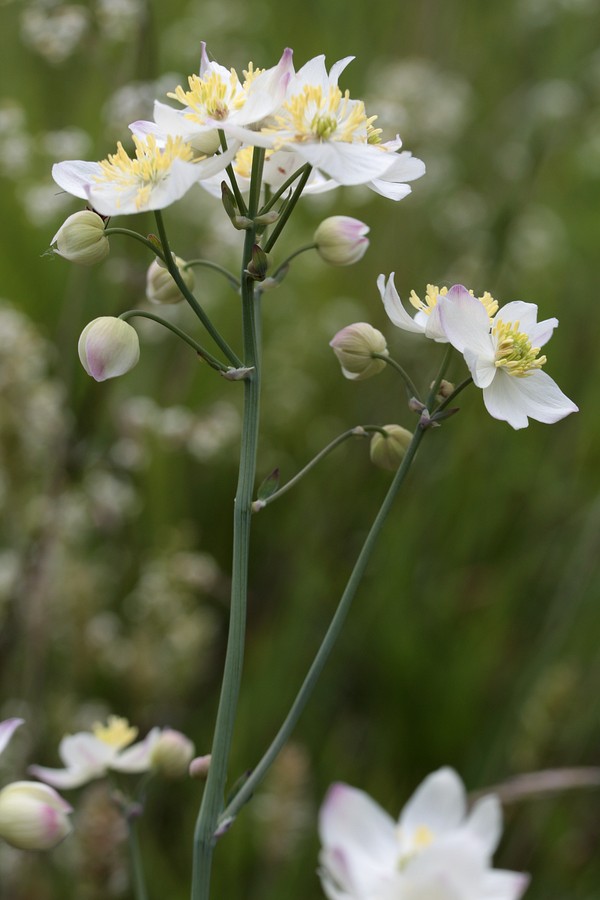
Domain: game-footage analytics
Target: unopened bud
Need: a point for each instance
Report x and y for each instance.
(268, 218)
(259, 264)
(108, 347)
(172, 753)
(81, 238)
(388, 450)
(160, 284)
(33, 816)
(199, 767)
(354, 347)
(341, 240)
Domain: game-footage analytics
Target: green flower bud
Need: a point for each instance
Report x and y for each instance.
(81, 238)
(160, 284)
(388, 450)
(108, 347)
(354, 347)
(341, 240)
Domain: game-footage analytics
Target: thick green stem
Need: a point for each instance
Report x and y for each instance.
(214, 792)
(333, 632)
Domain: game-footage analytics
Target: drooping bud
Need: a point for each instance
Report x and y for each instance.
(259, 264)
(172, 753)
(33, 816)
(354, 347)
(199, 767)
(160, 284)
(445, 389)
(108, 347)
(388, 450)
(341, 240)
(81, 238)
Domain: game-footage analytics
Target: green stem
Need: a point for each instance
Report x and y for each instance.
(439, 377)
(208, 264)
(214, 791)
(411, 390)
(333, 632)
(176, 275)
(137, 870)
(200, 350)
(138, 237)
(281, 222)
(281, 191)
(292, 256)
(232, 179)
(359, 431)
(455, 393)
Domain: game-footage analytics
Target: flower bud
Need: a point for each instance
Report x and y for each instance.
(81, 238)
(388, 450)
(33, 816)
(172, 753)
(108, 347)
(160, 284)
(199, 767)
(354, 347)
(341, 240)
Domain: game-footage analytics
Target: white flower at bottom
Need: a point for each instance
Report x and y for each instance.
(434, 852)
(33, 816)
(504, 361)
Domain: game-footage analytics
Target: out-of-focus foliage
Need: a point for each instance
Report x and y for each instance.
(474, 639)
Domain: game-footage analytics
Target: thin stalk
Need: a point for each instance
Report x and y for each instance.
(333, 632)
(232, 179)
(281, 222)
(439, 377)
(411, 390)
(214, 791)
(137, 870)
(138, 237)
(200, 350)
(455, 393)
(208, 264)
(292, 256)
(359, 431)
(281, 191)
(176, 275)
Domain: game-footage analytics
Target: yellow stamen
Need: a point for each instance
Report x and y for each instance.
(250, 74)
(433, 292)
(117, 733)
(514, 353)
(332, 115)
(211, 97)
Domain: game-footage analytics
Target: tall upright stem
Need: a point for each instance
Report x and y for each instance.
(214, 791)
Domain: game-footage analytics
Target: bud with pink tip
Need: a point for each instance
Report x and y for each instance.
(354, 347)
(108, 347)
(341, 240)
(33, 816)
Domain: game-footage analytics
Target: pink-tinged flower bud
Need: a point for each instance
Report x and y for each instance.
(172, 753)
(108, 347)
(341, 240)
(81, 238)
(354, 347)
(199, 767)
(160, 285)
(33, 816)
(388, 450)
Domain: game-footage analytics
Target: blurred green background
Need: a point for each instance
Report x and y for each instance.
(474, 639)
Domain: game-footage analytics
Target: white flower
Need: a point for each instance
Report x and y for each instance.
(89, 755)
(434, 852)
(217, 99)
(427, 317)
(161, 172)
(503, 360)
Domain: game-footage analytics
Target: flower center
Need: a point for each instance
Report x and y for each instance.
(116, 733)
(314, 114)
(414, 843)
(150, 166)
(213, 97)
(433, 293)
(514, 352)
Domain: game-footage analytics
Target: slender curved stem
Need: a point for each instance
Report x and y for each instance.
(176, 275)
(438, 378)
(213, 799)
(200, 350)
(138, 237)
(137, 871)
(411, 390)
(281, 191)
(292, 256)
(208, 264)
(307, 169)
(333, 632)
(359, 431)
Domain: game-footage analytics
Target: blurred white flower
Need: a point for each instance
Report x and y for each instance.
(435, 850)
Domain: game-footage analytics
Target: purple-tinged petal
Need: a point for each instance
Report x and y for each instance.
(65, 779)
(75, 175)
(466, 323)
(439, 804)
(352, 822)
(7, 729)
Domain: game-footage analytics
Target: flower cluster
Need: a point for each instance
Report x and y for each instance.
(300, 118)
(434, 850)
(32, 816)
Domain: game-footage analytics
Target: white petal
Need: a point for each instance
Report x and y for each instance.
(389, 189)
(518, 311)
(541, 333)
(137, 757)
(433, 323)
(346, 163)
(337, 69)
(66, 778)
(454, 866)
(500, 884)
(404, 167)
(84, 749)
(7, 729)
(393, 306)
(74, 176)
(466, 324)
(513, 399)
(482, 368)
(485, 822)
(439, 803)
